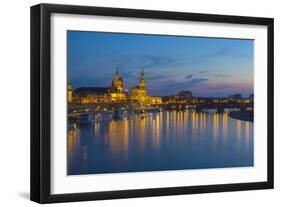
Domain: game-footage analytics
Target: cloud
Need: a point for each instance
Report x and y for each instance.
(170, 87)
(186, 84)
(223, 89)
(220, 75)
(212, 73)
(155, 77)
(220, 52)
(89, 82)
(149, 61)
(196, 81)
(189, 76)
(204, 71)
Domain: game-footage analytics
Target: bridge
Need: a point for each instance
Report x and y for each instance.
(198, 105)
(219, 106)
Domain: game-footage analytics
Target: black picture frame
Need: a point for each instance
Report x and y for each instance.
(41, 96)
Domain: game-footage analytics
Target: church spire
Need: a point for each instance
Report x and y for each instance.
(69, 86)
(116, 73)
(142, 74)
(117, 82)
(142, 81)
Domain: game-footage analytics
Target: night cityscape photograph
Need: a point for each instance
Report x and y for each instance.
(143, 102)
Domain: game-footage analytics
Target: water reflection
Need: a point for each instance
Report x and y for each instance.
(247, 131)
(118, 134)
(167, 140)
(216, 126)
(73, 142)
(224, 125)
(238, 129)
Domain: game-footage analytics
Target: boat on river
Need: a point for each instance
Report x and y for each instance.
(122, 113)
(90, 117)
(85, 118)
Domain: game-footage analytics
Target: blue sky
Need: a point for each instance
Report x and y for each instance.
(205, 66)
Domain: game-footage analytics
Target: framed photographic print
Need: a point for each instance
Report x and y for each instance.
(132, 103)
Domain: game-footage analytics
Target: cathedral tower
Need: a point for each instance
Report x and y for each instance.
(117, 83)
(142, 83)
(69, 93)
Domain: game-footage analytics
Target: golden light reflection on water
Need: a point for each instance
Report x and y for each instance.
(182, 123)
(73, 141)
(142, 132)
(196, 121)
(159, 127)
(224, 125)
(174, 115)
(185, 114)
(174, 118)
(179, 121)
(168, 124)
(247, 132)
(118, 134)
(204, 123)
(193, 123)
(238, 129)
(97, 129)
(216, 126)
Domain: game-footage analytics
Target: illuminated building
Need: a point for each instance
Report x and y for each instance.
(117, 83)
(92, 94)
(116, 93)
(116, 90)
(139, 93)
(69, 93)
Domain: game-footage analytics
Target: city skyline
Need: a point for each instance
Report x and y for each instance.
(208, 67)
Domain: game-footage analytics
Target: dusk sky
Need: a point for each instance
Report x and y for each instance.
(206, 66)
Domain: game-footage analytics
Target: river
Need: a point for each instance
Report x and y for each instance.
(167, 140)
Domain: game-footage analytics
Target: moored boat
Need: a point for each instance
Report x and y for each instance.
(122, 113)
(102, 116)
(85, 118)
(118, 114)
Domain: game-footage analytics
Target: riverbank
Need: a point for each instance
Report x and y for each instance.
(242, 115)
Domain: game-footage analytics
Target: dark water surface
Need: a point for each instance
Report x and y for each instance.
(168, 140)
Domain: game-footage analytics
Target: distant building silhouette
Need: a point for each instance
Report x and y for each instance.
(185, 94)
(251, 97)
(235, 97)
